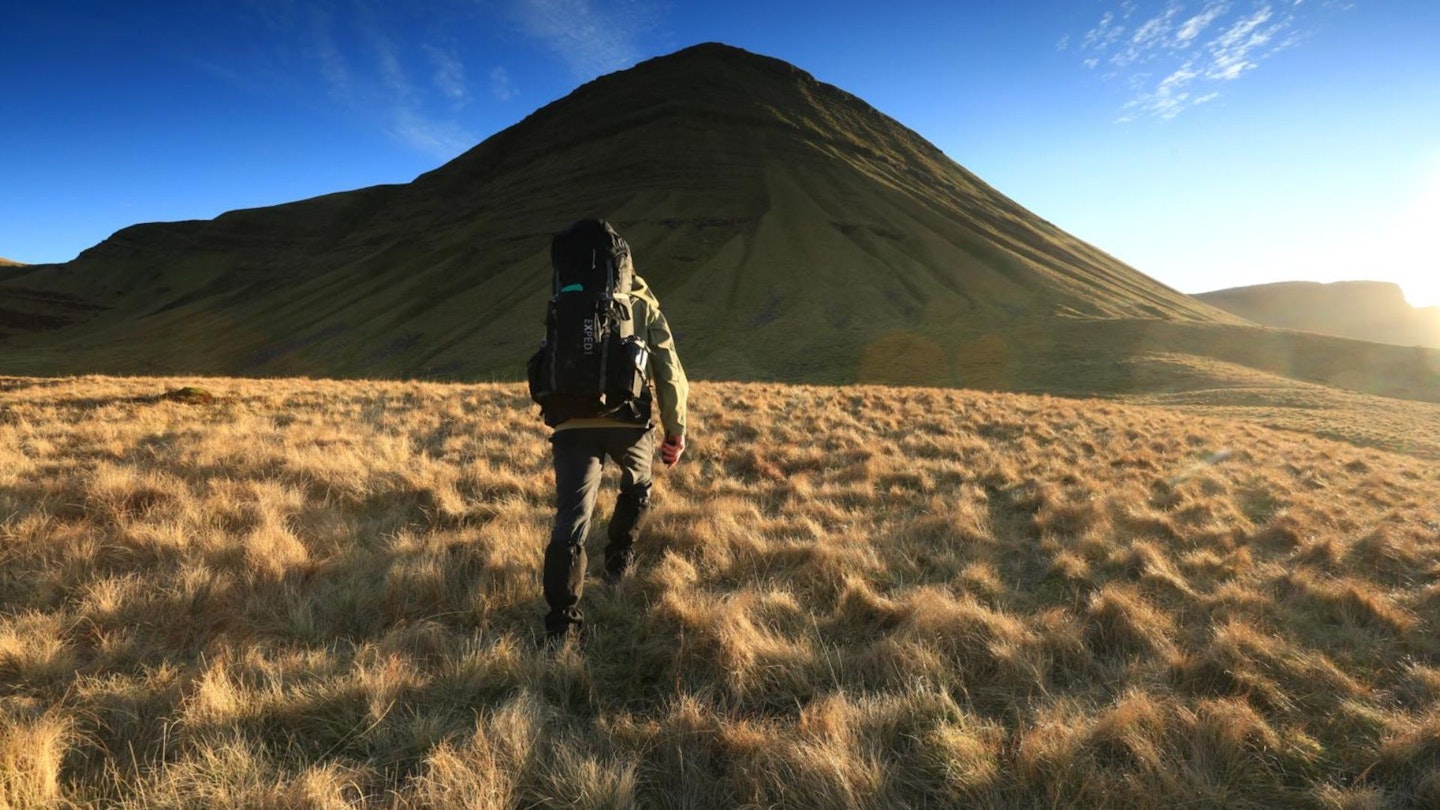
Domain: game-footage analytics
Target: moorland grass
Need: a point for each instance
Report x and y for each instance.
(299, 593)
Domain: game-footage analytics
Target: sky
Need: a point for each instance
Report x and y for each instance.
(1207, 143)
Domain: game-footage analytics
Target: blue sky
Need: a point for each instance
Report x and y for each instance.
(1209, 143)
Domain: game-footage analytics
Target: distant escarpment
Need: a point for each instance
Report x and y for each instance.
(1365, 310)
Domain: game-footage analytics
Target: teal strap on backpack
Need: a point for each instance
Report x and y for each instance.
(573, 288)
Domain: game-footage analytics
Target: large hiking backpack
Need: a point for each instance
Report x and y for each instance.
(591, 363)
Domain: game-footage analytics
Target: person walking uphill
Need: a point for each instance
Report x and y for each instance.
(606, 341)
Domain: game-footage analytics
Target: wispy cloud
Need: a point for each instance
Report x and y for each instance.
(1196, 25)
(386, 60)
(434, 136)
(449, 74)
(334, 68)
(410, 111)
(1233, 50)
(502, 87)
(367, 60)
(591, 37)
(1177, 54)
(371, 76)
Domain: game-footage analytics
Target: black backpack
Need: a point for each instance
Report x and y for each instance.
(591, 363)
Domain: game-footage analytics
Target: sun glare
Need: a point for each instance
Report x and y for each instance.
(1398, 246)
(1421, 292)
(1420, 273)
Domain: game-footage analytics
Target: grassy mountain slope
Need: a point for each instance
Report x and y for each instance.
(305, 593)
(792, 231)
(1364, 310)
(790, 228)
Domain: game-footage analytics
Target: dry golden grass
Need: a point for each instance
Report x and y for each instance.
(1214, 388)
(322, 594)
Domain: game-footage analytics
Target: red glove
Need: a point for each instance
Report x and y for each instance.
(671, 450)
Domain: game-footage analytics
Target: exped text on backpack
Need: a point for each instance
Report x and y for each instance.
(592, 363)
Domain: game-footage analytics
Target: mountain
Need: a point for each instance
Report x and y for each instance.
(4, 262)
(792, 231)
(1365, 310)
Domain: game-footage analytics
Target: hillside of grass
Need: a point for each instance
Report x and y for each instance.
(1364, 310)
(787, 226)
(298, 593)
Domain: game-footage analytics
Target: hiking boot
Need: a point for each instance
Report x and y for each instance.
(562, 625)
(617, 565)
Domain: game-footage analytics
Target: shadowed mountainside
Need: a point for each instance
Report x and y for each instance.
(787, 224)
(792, 231)
(1365, 310)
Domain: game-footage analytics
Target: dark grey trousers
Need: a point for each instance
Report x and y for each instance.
(580, 455)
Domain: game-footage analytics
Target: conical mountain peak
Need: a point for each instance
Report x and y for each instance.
(706, 85)
(792, 231)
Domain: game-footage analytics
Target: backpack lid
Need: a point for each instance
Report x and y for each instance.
(591, 254)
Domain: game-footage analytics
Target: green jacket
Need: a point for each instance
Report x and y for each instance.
(671, 387)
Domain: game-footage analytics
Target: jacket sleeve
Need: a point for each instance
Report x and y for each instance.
(671, 388)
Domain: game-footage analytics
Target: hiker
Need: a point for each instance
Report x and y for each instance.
(606, 340)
